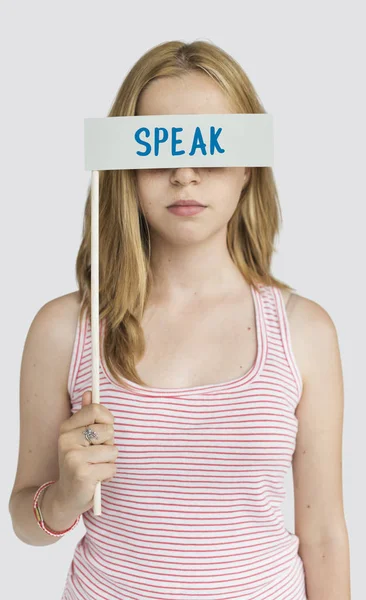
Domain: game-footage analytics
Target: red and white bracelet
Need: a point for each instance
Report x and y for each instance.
(39, 517)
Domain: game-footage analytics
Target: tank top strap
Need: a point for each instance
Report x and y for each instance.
(79, 379)
(280, 359)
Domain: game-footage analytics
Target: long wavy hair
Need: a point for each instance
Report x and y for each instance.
(125, 276)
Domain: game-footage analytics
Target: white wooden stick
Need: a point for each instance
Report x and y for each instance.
(95, 309)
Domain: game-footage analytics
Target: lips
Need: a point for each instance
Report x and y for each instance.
(186, 211)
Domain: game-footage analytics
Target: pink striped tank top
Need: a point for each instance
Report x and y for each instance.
(194, 511)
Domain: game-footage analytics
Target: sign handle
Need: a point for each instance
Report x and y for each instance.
(97, 508)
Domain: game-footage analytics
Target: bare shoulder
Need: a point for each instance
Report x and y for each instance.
(55, 325)
(66, 305)
(62, 312)
(312, 330)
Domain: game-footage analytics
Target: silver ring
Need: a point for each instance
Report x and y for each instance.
(89, 434)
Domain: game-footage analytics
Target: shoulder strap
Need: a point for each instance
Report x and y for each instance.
(284, 329)
(78, 353)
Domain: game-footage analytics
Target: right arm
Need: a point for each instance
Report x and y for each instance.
(44, 405)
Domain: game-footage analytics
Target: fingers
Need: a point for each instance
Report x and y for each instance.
(104, 431)
(101, 454)
(76, 437)
(88, 415)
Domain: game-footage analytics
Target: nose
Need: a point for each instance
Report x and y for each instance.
(184, 175)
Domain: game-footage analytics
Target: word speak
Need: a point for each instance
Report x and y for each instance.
(161, 136)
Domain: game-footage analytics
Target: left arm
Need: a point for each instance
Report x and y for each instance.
(317, 460)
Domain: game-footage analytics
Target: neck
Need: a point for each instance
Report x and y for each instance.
(192, 271)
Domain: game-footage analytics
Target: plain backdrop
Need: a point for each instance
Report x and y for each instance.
(65, 61)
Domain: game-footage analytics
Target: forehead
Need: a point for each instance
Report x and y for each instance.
(192, 93)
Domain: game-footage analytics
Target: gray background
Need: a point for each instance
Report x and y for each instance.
(64, 61)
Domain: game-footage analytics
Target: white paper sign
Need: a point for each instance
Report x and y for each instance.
(169, 141)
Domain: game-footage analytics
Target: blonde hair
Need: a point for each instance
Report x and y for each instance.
(125, 276)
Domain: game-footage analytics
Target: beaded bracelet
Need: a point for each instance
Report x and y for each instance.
(39, 517)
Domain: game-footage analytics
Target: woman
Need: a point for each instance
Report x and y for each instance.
(214, 375)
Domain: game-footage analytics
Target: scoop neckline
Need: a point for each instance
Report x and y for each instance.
(249, 376)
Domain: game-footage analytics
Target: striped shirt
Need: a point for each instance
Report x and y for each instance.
(194, 511)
